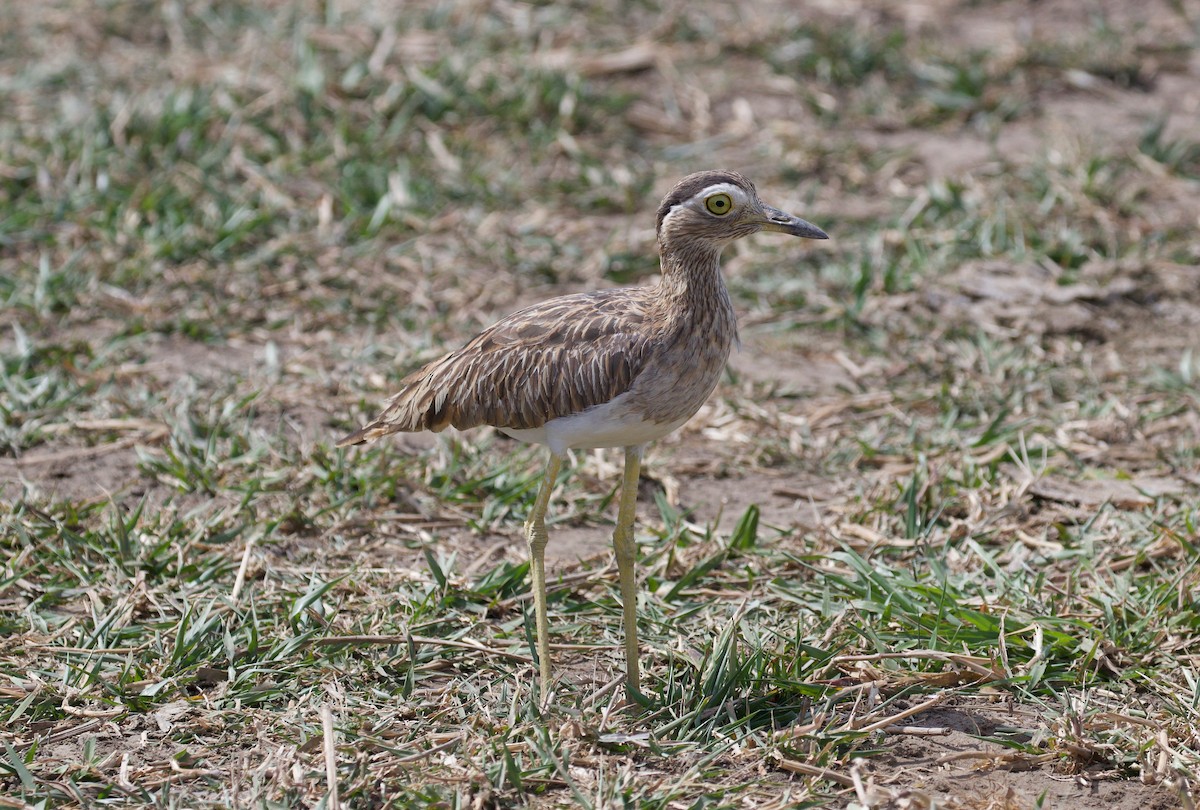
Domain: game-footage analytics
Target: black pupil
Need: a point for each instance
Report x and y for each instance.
(719, 203)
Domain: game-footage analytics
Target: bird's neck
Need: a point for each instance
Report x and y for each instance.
(692, 296)
(691, 277)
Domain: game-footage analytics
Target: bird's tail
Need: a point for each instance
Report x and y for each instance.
(367, 433)
(421, 404)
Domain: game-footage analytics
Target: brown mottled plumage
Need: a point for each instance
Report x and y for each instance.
(508, 376)
(613, 368)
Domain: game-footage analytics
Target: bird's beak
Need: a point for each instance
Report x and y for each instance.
(776, 220)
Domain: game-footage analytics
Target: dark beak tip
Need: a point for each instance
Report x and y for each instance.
(811, 231)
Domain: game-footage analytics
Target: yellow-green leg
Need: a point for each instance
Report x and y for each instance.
(535, 533)
(626, 556)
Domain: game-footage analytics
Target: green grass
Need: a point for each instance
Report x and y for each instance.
(958, 448)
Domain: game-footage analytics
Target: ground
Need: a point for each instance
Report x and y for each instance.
(932, 542)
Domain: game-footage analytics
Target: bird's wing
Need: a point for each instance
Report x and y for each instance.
(550, 360)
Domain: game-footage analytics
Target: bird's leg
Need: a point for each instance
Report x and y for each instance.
(626, 555)
(535, 533)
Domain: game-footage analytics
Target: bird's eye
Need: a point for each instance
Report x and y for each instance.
(719, 204)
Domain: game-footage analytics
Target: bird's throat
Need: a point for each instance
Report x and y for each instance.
(691, 277)
(691, 293)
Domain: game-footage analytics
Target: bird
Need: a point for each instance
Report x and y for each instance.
(612, 368)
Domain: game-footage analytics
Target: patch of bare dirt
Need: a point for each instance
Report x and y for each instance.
(107, 471)
(790, 371)
(100, 458)
(940, 757)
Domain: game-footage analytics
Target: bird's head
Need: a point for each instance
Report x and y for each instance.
(716, 207)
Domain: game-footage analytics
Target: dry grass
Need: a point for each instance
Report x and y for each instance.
(933, 542)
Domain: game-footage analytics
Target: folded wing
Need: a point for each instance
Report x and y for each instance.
(551, 360)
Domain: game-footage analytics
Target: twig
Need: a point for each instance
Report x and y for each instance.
(918, 709)
(1124, 718)
(330, 746)
(241, 574)
(974, 663)
(813, 770)
(103, 714)
(51, 648)
(997, 757)
(76, 453)
(860, 790)
(474, 646)
(595, 698)
(450, 743)
(63, 734)
(918, 731)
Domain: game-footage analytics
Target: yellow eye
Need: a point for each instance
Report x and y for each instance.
(719, 204)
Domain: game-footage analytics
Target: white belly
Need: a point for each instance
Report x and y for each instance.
(612, 424)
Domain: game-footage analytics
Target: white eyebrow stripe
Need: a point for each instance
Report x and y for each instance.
(736, 192)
